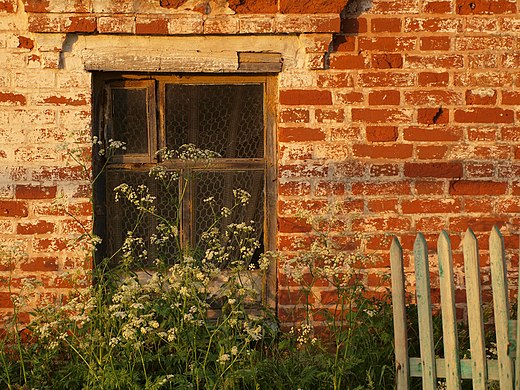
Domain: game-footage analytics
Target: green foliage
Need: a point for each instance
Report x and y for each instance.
(196, 321)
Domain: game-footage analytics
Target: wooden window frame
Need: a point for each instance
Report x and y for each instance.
(155, 85)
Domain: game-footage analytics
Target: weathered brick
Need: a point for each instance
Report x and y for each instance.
(437, 7)
(348, 61)
(433, 116)
(290, 23)
(381, 115)
(433, 79)
(294, 188)
(387, 61)
(342, 43)
(335, 80)
(305, 97)
(308, 7)
(431, 152)
(294, 115)
(386, 44)
(382, 205)
(349, 97)
(9, 208)
(116, 25)
(435, 43)
(388, 224)
(382, 133)
(328, 188)
(484, 115)
(480, 224)
(438, 61)
(382, 188)
(433, 24)
(293, 225)
(386, 79)
(35, 192)
(254, 7)
(474, 187)
(390, 170)
(395, 7)
(37, 227)
(329, 115)
(429, 97)
(256, 24)
(11, 98)
(384, 97)
(426, 134)
(489, 7)
(438, 169)
(386, 25)
(482, 96)
(484, 42)
(83, 24)
(151, 26)
(37, 264)
(511, 98)
(221, 24)
(300, 134)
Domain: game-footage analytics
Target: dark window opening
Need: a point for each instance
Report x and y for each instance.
(227, 115)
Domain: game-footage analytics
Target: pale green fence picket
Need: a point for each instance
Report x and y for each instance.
(501, 308)
(424, 312)
(449, 315)
(402, 364)
(475, 314)
(478, 368)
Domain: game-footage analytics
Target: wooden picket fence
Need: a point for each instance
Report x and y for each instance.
(478, 368)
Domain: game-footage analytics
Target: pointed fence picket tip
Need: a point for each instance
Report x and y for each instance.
(395, 245)
(419, 240)
(495, 232)
(469, 235)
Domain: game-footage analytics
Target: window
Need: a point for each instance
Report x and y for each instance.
(230, 115)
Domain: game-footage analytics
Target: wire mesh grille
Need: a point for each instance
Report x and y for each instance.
(129, 119)
(220, 186)
(124, 217)
(227, 119)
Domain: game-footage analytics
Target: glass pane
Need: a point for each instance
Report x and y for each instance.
(129, 119)
(227, 119)
(220, 186)
(124, 217)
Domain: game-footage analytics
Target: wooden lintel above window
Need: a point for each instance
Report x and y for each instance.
(259, 62)
(185, 61)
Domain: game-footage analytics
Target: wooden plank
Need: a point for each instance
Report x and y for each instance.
(501, 307)
(191, 61)
(466, 366)
(424, 311)
(512, 337)
(259, 62)
(475, 315)
(399, 313)
(265, 57)
(449, 316)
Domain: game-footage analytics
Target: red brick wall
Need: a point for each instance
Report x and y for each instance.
(413, 123)
(404, 111)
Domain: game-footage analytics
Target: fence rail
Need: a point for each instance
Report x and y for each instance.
(478, 368)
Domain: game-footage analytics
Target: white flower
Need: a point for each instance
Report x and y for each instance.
(222, 359)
